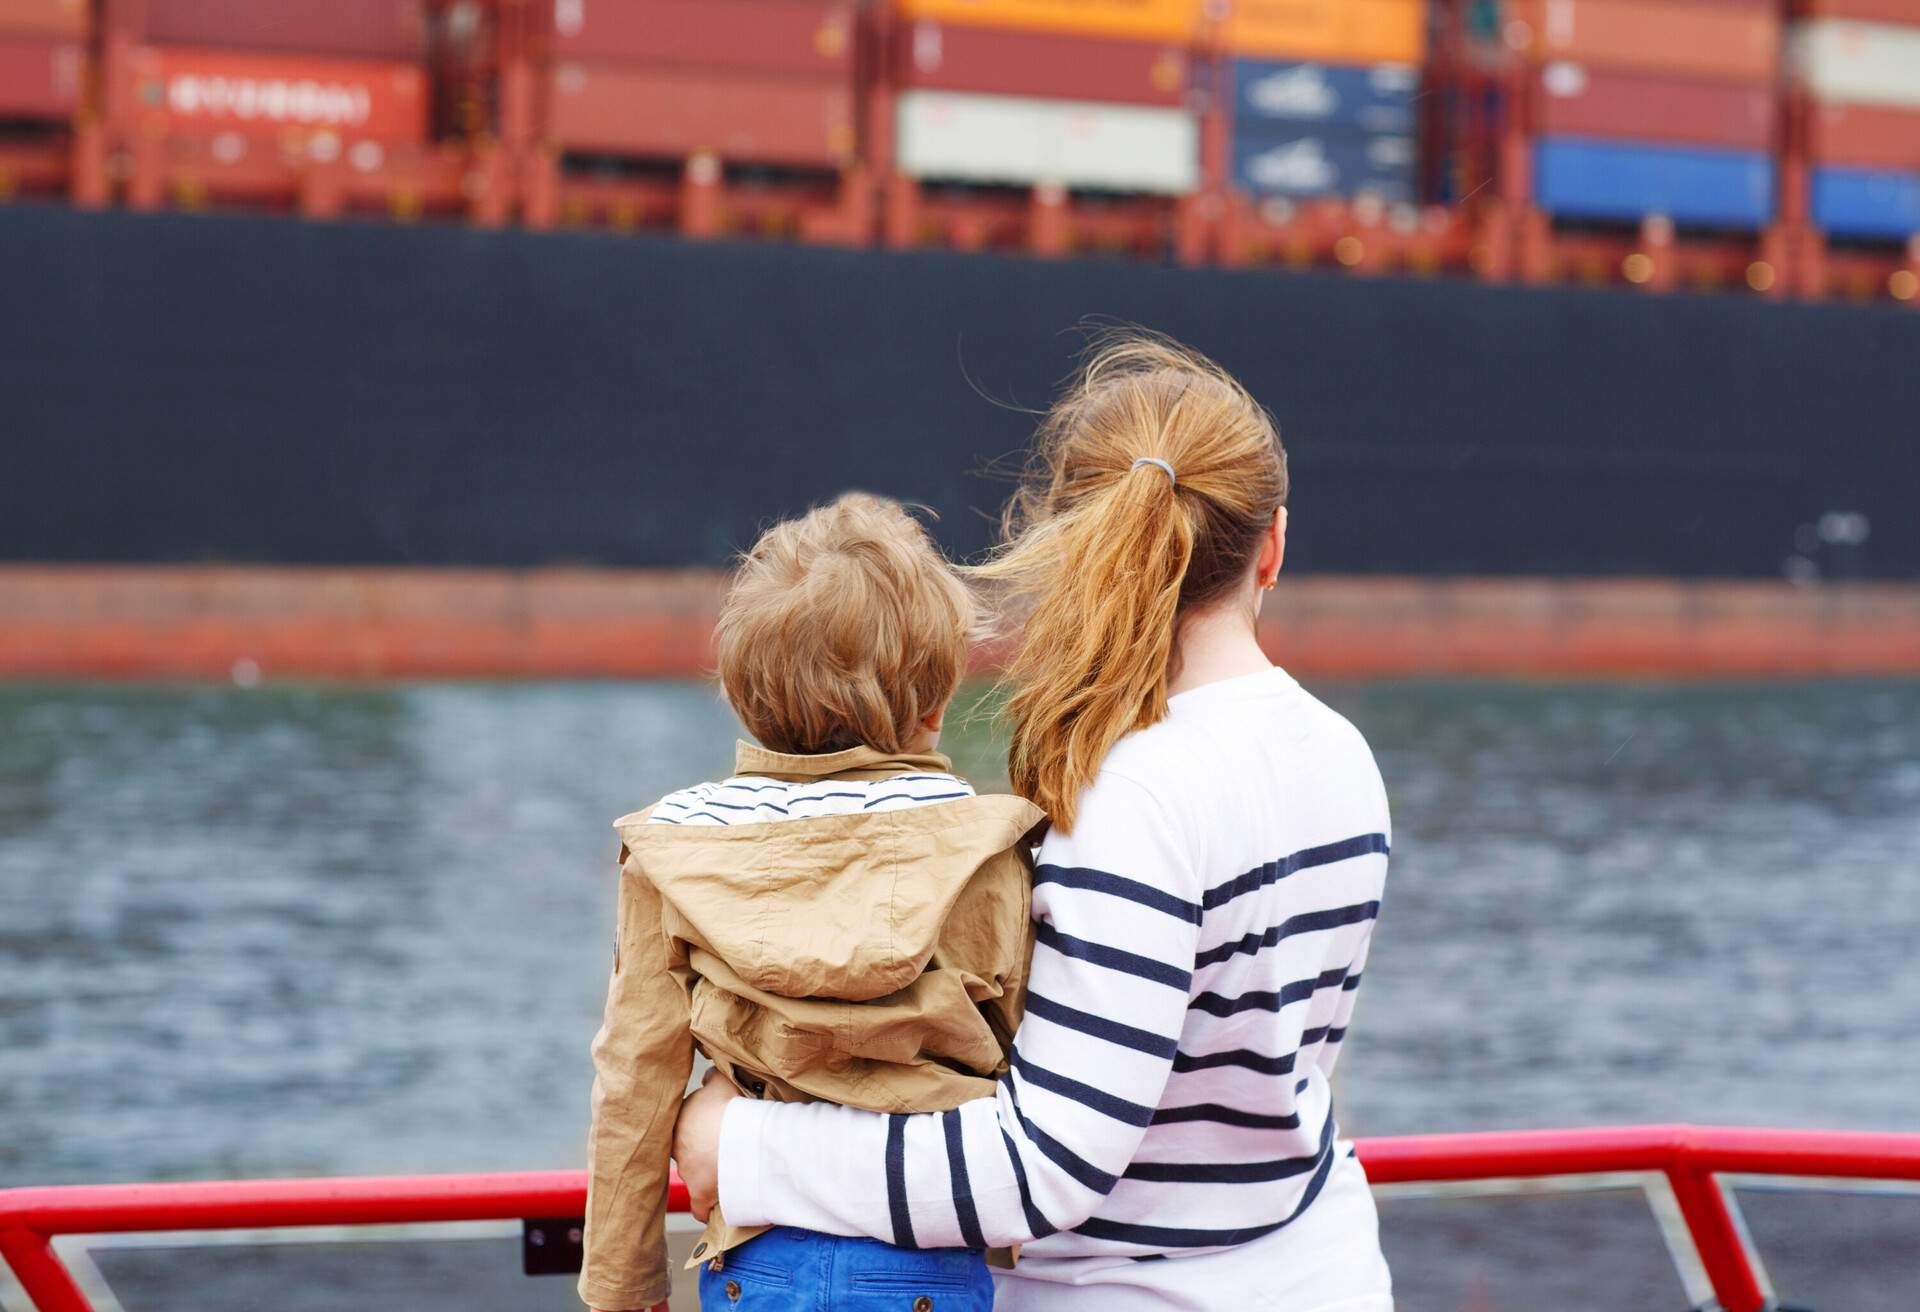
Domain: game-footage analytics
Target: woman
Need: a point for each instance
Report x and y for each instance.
(1203, 905)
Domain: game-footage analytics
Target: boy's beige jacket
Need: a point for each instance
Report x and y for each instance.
(876, 961)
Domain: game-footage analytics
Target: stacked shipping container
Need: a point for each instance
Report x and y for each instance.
(1641, 138)
(1859, 64)
(1655, 108)
(42, 63)
(1324, 96)
(647, 108)
(1075, 107)
(277, 102)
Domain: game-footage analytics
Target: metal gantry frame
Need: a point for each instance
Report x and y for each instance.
(1693, 1160)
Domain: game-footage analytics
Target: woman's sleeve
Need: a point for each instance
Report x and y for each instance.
(1116, 912)
(642, 1058)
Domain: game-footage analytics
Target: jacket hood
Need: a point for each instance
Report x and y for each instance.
(848, 907)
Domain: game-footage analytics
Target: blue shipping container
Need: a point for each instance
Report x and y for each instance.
(1275, 160)
(1866, 203)
(1580, 178)
(1368, 97)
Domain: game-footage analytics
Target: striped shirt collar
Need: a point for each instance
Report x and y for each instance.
(854, 763)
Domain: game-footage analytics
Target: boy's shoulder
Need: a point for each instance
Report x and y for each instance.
(759, 799)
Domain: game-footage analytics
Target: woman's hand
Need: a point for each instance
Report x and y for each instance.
(696, 1140)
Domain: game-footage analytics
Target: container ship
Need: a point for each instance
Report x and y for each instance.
(403, 336)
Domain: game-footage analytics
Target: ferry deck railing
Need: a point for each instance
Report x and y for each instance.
(1693, 1160)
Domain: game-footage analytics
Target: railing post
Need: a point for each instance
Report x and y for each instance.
(49, 1285)
(1716, 1236)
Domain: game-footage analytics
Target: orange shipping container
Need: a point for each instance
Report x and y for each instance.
(1146, 20)
(1668, 36)
(1349, 31)
(203, 91)
(39, 78)
(44, 17)
(628, 109)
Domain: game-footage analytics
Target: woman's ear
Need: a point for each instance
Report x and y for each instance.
(1273, 550)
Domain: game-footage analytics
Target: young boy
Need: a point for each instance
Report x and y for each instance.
(843, 920)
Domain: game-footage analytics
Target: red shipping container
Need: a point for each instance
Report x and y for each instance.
(39, 76)
(1578, 100)
(1012, 62)
(1682, 37)
(772, 36)
(1864, 136)
(45, 17)
(672, 113)
(202, 91)
(371, 29)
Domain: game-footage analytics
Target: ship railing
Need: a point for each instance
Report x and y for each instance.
(1694, 1162)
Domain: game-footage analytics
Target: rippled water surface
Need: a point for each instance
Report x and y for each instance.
(329, 929)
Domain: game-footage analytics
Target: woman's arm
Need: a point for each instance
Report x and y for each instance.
(1117, 910)
(642, 1058)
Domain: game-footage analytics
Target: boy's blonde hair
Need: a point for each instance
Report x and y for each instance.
(843, 627)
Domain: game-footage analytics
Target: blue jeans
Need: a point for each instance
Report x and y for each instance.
(788, 1270)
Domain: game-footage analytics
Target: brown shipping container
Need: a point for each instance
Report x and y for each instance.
(1656, 36)
(1866, 11)
(370, 29)
(672, 113)
(215, 91)
(45, 17)
(936, 56)
(1864, 136)
(39, 76)
(773, 36)
(1578, 100)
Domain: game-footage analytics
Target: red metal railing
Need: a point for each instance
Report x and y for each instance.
(1690, 1157)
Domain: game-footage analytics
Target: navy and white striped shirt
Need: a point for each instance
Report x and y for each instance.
(1201, 935)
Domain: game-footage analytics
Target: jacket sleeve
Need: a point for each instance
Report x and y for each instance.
(1116, 911)
(642, 1058)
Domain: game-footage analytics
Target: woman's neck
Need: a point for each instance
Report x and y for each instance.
(1214, 644)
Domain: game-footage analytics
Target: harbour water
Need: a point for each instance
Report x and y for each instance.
(328, 929)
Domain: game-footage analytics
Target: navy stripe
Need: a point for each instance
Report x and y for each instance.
(1299, 990)
(916, 778)
(1127, 1113)
(717, 819)
(665, 802)
(1284, 1168)
(913, 797)
(1058, 1153)
(1216, 1114)
(1274, 871)
(758, 788)
(1335, 1034)
(897, 1182)
(1100, 1027)
(662, 820)
(1099, 954)
(1099, 881)
(821, 797)
(732, 806)
(1036, 1220)
(1242, 1057)
(963, 1208)
(1353, 982)
(1307, 922)
(1255, 1061)
(1170, 1237)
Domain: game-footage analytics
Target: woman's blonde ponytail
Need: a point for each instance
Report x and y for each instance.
(1105, 548)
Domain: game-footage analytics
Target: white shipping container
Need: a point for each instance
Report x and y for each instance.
(1862, 63)
(1020, 141)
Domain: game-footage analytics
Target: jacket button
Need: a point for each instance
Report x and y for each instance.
(700, 1248)
(733, 1291)
(923, 1304)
